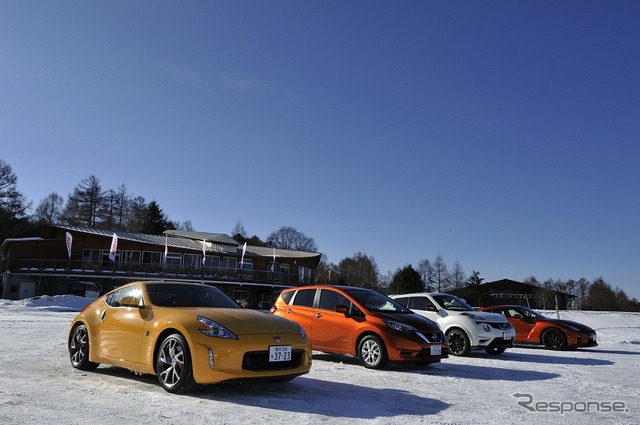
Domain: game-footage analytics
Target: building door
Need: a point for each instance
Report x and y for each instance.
(27, 290)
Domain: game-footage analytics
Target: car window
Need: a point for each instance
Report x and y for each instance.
(450, 302)
(286, 296)
(375, 301)
(304, 297)
(404, 301)
(421, 303)
(131, 291)
(330, 299)
(172, 295)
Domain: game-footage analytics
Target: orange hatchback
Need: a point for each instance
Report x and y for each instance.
(363, 323)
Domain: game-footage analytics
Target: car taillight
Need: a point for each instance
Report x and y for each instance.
(273, 309)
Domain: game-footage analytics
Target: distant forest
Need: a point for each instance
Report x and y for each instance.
(89, 205)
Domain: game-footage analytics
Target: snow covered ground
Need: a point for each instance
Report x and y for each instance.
(527, 386)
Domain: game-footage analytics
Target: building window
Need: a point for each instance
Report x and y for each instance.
(230, 263)
(211, 262)
(91, 256)
(241, 296)
(247, 265)
(192, 261)
(173, 260)
(284, 268)
(106, 259)
(304, 274)
(152, 258)
(130, 257)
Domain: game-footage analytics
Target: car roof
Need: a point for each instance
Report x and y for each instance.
(341, 287)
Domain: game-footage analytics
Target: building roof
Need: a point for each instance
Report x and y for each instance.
(220, 238)
(214, 242)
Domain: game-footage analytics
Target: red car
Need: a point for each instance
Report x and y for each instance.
(533, 328)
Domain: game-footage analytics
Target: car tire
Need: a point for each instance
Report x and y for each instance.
(554, 339)
(495, 350)
(173, 365)
(372, 353)
(79, 348)
(459, 344)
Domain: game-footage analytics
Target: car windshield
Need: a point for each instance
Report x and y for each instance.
(374, 301)
(450, 302)
(527, 312)
(172, 295)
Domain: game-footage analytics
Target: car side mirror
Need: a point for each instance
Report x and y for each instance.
(342, 309)
(431, 308)
(517, 316)
(131, 301)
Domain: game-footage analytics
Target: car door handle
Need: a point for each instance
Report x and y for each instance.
(318, 315)
(289, 310)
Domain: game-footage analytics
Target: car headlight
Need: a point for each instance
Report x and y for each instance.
(573, 328)
(400, 327)
(485, 327)
(215, 329)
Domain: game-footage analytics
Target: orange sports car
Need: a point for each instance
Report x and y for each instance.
(533, 328)
(364, 323)
(186, 334)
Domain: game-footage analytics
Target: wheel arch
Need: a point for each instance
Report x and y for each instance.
(553, 328)
(366, 333)
(162, 336)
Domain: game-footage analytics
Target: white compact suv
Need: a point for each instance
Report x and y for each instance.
(465, 327)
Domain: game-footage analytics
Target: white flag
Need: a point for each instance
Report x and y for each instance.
(166, 246)
(204, 250)
(69, 241)
(244, 249)
(114, 247)
(273, 263)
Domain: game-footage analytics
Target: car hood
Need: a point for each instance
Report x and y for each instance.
(243, 321)
(479, 315)
(563, 322)
(419, 322)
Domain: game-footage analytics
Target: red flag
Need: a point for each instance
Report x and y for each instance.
(69, 241)
(114, 247)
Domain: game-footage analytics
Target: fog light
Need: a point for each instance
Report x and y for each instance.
(211, 363)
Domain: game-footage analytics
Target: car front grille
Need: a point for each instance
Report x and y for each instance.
(501, 326)
(259, 360)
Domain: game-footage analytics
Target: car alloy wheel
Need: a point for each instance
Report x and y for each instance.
(372, 352)
(173, 365)
(554, 339)
(458, 342)
(79, 349)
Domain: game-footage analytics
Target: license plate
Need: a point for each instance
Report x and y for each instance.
(436, 350)
(279, 353)
(506, 335)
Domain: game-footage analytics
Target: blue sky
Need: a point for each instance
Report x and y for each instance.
(502, 135)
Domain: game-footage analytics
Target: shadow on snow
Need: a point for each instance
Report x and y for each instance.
(304, 395)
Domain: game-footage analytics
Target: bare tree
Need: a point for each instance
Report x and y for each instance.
(12, 201)
(359, 270)
(13, 204)
(458, 276)
(85, 204)
(426, 274)
(441, 274)
(289, 238)
(49, 209)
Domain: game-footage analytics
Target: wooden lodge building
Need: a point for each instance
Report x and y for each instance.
(51, 259)
(507, 291)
